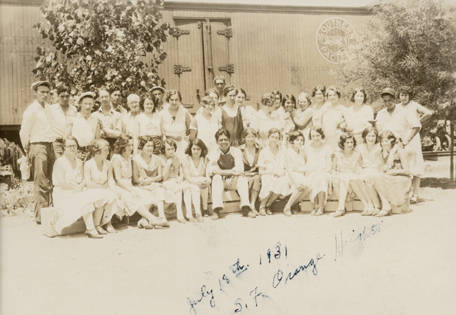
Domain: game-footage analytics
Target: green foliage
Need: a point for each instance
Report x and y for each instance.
(406, 43)
(115, 44)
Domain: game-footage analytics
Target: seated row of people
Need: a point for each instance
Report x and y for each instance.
(129, 183)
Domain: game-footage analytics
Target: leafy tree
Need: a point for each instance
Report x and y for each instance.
(406, 43)
(116, 44)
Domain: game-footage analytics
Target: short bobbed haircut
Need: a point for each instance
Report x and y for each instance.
(289, 97)
(388, 134)
(306, 96)
(71, 138)
(171, 143)
(405, 90)
(199, 143)
(360, 90)
(273, 131)
(121, 143)
(173, 92)
(293, 135)
(97, 145)
(367, 131)
(344, 137)
(142, 141)
(249, 131)
(333, 89)
(320, 88)
(317, 129)
(275, 93)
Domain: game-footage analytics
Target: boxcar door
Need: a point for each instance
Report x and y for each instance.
(189, 68)
(219, 34)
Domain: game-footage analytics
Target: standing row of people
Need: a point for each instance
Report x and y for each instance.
(234, 163)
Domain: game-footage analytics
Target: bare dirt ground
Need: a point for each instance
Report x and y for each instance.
(402, 264)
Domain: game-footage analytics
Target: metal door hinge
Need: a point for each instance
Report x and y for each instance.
(177, 32)
(227, 68)
(179, 69)
(227, 32)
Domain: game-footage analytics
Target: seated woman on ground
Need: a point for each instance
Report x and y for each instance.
(147, 173)
(346, 173)
(71, 198)
(173, 179)
(318, 157)
(296, 168)
(272, 169)
(132, 198)
(98, 178)
(196, 184)
(394, 184)
(250, 153)
(371, 166)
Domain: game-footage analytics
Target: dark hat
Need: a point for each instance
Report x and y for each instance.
(157, 87)
(37, 84)
(388, 91)
(84, 95)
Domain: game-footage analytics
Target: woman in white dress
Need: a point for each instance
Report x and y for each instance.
(175, 121)
(412, 147)
(196, 184)
(149, 124)
(272, 168)
(318, 106)
(265, 120)
(147, 174)
(289, 106)
(85, 127)
(250, 154)
(333, 120)
(302, 116)
(132, 199)
(278, 112)
(346, 173)
(206, 123)
(394, 183)
(296, 168)
(71, 197)
(318, 158)
(359, 115)
(173, 178)
(98, 179)
(371, 167)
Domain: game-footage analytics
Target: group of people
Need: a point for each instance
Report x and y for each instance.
(121, 161)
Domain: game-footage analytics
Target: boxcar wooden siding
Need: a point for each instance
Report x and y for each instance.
(269, 50)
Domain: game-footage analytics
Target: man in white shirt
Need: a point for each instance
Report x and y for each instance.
(385, 117)
(36, 137)
(60, 115)
(111, 125)
(226, 167)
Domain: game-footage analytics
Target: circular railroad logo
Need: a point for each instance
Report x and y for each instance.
(334, 35)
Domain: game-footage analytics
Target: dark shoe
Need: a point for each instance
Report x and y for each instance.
(245, 210)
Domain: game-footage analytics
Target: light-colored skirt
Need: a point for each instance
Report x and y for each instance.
(172, 189)
(72, 205)
(277, 185)
(298, 179)
(129, 202)
(319, 181)
(394, 188)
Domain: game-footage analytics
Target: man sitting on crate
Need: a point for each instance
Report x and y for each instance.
(36, 137)
(226, 168)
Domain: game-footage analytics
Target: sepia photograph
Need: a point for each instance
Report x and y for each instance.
(227, 157)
